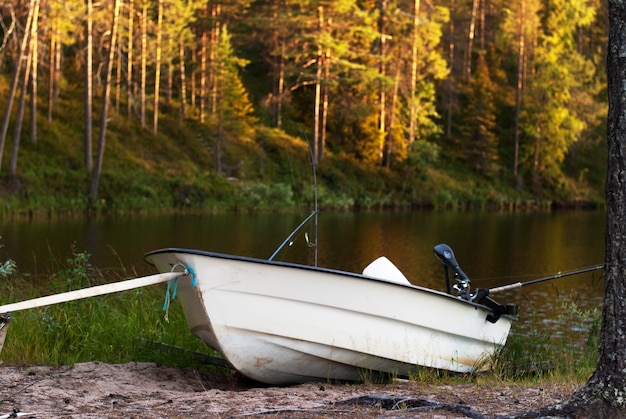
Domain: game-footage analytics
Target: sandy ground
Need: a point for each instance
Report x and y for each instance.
(145, 390)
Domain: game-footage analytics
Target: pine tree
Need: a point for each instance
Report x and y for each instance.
(479, 140)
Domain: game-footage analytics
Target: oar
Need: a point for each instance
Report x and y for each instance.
(63, 297)
(547, 278)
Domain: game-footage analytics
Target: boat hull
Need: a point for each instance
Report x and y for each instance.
(282, 323)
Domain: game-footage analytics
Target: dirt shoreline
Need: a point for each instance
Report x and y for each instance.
(146, 390)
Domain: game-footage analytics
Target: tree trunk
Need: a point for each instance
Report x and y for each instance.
(105, 104)
(281, 86)
(520, 85)
(318, 76)
(144, 57)
(34, 47)
(118, 83)
(382, 111)
(470, 40)
(216, 11)
(51, 73)
(604, 395)
(129, 62)
(17, 133)
(608, 383)
(89, 87)
(192, 82)
(412, 104)
(325, 89)
(203, 73)
(450, 76)
(157, 76)
(16, 78)
(170, 82)
(183, 80)
(392, 112)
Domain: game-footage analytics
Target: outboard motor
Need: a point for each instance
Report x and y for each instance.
(444, 253)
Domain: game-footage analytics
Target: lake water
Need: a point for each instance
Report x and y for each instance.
(492, 248)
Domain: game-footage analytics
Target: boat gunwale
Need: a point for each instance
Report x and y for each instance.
(292, 265)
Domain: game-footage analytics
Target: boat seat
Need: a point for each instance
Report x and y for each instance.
(383, 268)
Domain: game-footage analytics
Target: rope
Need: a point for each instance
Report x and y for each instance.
(172, 286)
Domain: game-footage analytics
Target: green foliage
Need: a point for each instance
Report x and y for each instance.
(551, 124)
(115, 328)
(570, 350)
(479, 122)
(7, 267)
(209, 165)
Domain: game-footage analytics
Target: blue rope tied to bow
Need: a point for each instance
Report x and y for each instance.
(172, 285)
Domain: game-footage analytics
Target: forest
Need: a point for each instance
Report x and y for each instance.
(414, 102)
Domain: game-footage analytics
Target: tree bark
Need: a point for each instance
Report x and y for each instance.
(17, 133)
(412, 104)
(183, 80)
(129, 62)
(604, 395)
(382, 106)
(203, 73)
(317, 99)
(216, 12)
(105, 104)
(16, 77)
(450, 76)
(325, 93)
(144, 57)
(157, 76)
(470, 40)
(89, 87)
(51, 72)
(608, 383)
(34, 46)
(520, 85)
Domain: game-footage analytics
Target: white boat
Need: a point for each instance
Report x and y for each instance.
(281, 323)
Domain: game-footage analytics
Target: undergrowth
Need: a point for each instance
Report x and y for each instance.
(114, 328)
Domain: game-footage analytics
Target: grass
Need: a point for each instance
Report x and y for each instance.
(115, 328)
(131, 326)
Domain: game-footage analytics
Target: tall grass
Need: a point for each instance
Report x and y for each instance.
(114, 328)
(567, 351)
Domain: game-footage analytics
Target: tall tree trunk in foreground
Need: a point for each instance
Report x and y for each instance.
(95, 180)
(16, 78)
(604, 395)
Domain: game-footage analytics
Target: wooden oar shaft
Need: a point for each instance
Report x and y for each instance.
(63, 297)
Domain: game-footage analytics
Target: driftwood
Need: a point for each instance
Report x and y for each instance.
(410, 404)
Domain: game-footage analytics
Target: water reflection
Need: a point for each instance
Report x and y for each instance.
(492, 248)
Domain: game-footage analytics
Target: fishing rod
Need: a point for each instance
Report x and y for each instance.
(547, 278)
(445, 255)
